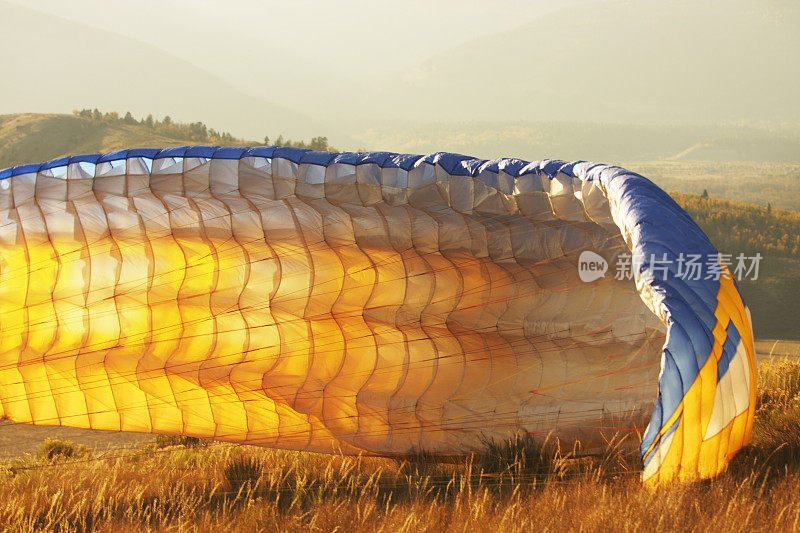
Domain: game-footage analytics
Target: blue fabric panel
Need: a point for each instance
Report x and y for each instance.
(728, 350)
(200, 151)
(292, 154)
(551, 167)
(174, 151)
(575, 168)
(86, 158)
(375, 158)
(587, 168)
(451, 163)
(347, 158)
(471, 166)
(530, 168)
(149, 153)
(25, 169)
(492, 165)
(450, 160)
(658, 414)
(404, 161)
(669, 385)
(113, 156)
(60, 162)
(511, 166)
(693, 342)
(232, 152)
(317, 158)
(260, 151)
(696, 300)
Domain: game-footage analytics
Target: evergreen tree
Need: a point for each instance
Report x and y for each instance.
(319, 143)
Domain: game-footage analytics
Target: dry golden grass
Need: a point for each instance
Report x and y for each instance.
(514, 486)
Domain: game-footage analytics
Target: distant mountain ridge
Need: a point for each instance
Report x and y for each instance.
(51, 64)
(652, 62)
(641, 61)
(602, 142)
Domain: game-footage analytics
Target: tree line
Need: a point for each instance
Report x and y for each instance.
(195, 132)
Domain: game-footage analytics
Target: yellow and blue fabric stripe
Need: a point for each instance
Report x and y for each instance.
(707, 387)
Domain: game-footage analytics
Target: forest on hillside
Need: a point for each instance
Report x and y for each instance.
(196, 132)
(762, 183)
(736, 227)
(36, 137)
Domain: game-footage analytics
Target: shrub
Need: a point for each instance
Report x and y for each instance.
(53, 449)
(163, 441)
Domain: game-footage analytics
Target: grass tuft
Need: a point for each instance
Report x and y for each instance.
(421, 464)
(242, 472)
(519, 456)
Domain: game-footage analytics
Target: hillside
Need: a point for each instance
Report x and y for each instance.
(30, 138)
(758, 183)
(51, 64)
(736, 227)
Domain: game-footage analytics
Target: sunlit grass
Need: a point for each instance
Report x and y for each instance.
(517, 485)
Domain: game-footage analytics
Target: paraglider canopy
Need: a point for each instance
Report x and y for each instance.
(368, 302)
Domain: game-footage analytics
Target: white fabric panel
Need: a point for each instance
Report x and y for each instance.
(733, 393)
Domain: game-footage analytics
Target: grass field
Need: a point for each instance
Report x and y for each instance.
(173, 484)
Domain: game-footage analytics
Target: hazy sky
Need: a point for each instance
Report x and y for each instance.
(376, 35)
(346, 67)
(304, 55)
